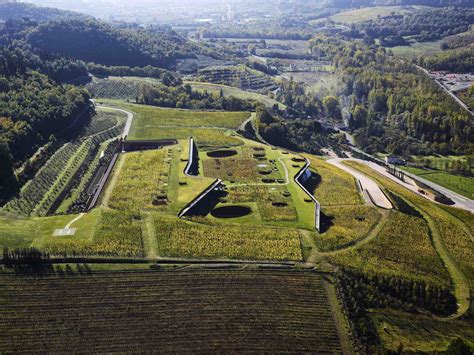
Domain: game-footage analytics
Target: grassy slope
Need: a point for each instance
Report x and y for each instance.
(208, 128)
(425, 48)
(336, 187)
(451, 236)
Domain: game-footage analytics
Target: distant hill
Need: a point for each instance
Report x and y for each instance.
(18, 11)
(95, 41)
(436, 3)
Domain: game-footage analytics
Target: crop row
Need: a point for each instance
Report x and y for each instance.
(239, 78)
(41, 192)
(69, 170)
(180, 238)
(115, 88)
(91, 177)
(34, 191)
(266, 311)
(103, 121)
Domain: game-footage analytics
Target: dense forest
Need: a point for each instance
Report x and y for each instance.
(457, 61)
(421, 25)
(19, 11)
(98, 42)
(33, 108)
(394, 107)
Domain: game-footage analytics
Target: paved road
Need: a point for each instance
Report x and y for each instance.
(129, 114)
(459, 200)
(372, 191)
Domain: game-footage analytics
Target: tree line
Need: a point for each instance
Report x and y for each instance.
(183, 96)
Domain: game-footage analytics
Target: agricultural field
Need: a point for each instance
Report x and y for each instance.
(293, 47)
(177, 238)
(229, 91)
(398, 253)
(345, 225)
(238, 76)
(461, 184)
(420, 333)
(368, 13)
(121, 88)
(40, 195)
(450, 232)
(417, 49)
(145, 172)
(264, 311)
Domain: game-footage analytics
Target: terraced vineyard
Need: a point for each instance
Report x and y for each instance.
(175, 312)
(240, 77)
(39, 194)
(115, 88)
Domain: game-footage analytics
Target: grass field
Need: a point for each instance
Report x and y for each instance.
(461, 184)
(143, 176)
(235, 92)
(335, 187)
(208, 128)
(221, 311)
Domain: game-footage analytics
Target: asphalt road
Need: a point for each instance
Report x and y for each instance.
(459, 200)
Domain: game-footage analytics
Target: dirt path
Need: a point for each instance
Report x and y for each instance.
(459, 280)
(113, 181)
(150, 243)
(74, 220)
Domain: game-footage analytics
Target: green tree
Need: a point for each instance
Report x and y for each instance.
(359, 117)
(332, 108)
(8, 181)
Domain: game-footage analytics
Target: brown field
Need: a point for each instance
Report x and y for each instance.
(171, 312)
